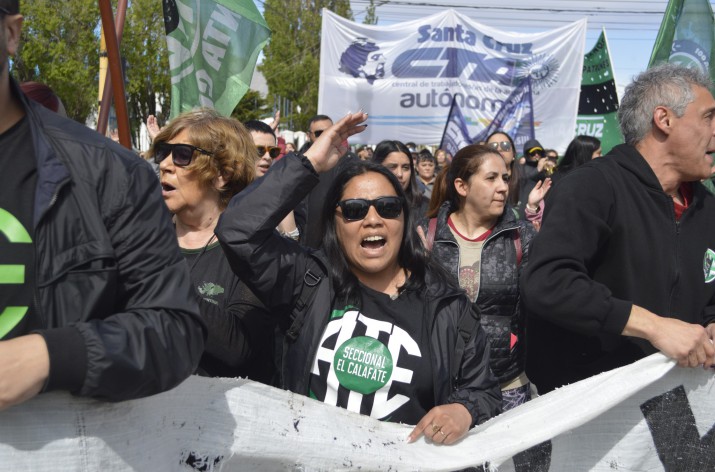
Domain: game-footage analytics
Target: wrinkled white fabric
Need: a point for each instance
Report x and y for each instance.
(237, 425)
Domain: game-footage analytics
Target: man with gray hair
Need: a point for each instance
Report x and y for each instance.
(624, 265)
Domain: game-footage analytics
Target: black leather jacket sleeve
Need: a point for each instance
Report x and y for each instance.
(122, 322)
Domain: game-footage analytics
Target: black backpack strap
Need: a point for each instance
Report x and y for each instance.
(516, 236)
(311, 280)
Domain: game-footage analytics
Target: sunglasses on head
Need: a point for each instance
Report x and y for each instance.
(356, 209)
(503, 145)
(272, 151)
(318, 133)
(181, 154)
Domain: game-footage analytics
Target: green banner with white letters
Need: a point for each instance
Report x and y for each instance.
(686, 36)
(598, 102)
(213, 48)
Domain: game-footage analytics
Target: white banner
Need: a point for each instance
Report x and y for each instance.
(404, 75)
(646, 416)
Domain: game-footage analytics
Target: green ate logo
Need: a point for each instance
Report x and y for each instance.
(210, 289)
(12, 274)
(363, 364)
(709, 266)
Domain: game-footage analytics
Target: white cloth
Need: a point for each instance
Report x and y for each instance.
(237, 425)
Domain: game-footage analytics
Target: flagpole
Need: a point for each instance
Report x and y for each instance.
(106, 102)
(531, 108)
(115, 70)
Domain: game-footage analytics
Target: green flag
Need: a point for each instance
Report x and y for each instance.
(598, 102)
(686, 36)
(213, 47)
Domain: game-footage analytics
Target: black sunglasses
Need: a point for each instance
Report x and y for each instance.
(504, 145)
(4, 11)
(181, 154)
(356, 209)
(318, 133)
(272, 151)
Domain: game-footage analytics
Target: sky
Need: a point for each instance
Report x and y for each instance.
(631, 25)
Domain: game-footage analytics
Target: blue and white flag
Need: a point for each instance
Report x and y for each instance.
(456, 134)
(516, 117)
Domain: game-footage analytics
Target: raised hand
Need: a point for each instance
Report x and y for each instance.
(325, 152)
(538, 193)
(152, 126)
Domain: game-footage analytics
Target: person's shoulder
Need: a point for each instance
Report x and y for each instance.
(595, 173)
(702, 193)
(525, 228)
(75, 136)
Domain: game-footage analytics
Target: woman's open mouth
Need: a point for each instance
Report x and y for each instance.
(373, 242)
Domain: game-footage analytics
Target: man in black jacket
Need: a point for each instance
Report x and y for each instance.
(624, 264)
(95, 297)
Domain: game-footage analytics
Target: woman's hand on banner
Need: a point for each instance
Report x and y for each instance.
(444, 424)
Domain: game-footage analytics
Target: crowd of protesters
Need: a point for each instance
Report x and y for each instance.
(435, 291)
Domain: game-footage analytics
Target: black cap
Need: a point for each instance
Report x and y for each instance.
(532, 145)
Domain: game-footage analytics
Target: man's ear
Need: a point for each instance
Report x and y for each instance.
(13, 28)
(663, 119)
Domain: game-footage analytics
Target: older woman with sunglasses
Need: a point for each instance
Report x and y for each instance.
(381, 332)
(204, 159)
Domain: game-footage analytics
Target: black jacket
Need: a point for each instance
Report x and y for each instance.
(610, 239)
(111, 287)
(275, 267)
(498, 299)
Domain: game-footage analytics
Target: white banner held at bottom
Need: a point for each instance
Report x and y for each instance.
(646, 416)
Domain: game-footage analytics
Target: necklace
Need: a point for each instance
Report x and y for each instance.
(206, 246)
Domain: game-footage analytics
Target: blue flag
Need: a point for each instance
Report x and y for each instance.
(455, 135)
(515, 118)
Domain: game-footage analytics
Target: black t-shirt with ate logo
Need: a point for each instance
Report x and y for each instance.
(375, 360)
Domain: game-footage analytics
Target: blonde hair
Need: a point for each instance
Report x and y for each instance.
(234, 153)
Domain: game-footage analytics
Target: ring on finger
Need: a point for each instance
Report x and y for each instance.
(436, 429)
(443, 433)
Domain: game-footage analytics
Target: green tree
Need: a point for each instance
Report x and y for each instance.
(292, 57)
(59, 47)
(251, 107)
(370, 16)
(148, 81)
